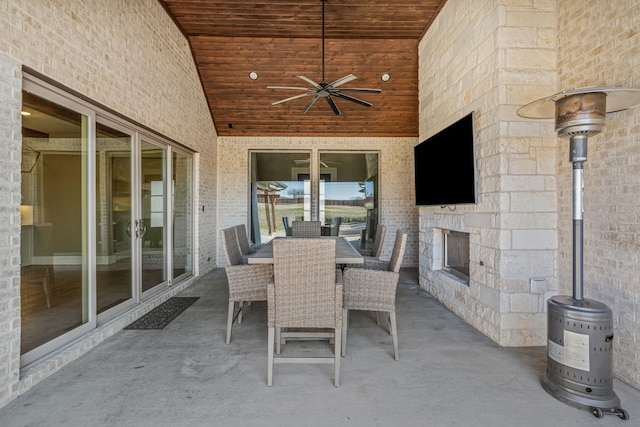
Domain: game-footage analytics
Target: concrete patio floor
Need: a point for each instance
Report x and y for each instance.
(185, 375)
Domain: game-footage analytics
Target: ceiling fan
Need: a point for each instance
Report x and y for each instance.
(326, 90)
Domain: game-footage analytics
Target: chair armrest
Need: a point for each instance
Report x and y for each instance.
(375, 264)
(248, 281)
(373, 290)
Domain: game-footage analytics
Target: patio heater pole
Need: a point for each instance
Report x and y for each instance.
(579, 330)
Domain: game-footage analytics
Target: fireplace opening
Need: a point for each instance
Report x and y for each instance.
(456, 254)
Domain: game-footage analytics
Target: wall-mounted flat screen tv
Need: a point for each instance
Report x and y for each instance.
(445, 171)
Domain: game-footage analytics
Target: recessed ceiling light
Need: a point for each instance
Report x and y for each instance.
(25, 113)
(385, 77)
(253, 75)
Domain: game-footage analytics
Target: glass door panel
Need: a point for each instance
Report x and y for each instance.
(182, 203)
(113, 218)
(348, 196)
(54, 287)
(280, 193)
(151, 226)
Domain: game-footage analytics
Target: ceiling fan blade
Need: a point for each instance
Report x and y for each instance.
(292, 98)
(289, 87)
(343, 80)
(333, 105)
(352, 99)
(313, 100)
(360, 90)
(311, 82)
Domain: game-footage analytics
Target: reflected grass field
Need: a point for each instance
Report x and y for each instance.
(351, 216)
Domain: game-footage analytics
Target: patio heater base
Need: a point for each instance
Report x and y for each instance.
(580, 355)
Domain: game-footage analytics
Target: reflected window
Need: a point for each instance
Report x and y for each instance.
(344, 198)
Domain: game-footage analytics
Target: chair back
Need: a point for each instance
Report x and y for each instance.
(398, 251)
(243, 240)
(230, 246)
(304, 273)
(306, 228)
(376, 249)
(335, 225)
(287, 227)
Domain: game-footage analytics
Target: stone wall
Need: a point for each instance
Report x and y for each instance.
(599, 44)
(491, 58)
(396, 180)
(128, 56)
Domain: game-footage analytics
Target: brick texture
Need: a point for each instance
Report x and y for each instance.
(600, 45)
(129, 56)
(396, 189)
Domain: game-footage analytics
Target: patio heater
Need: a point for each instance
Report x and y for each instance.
(579, 330)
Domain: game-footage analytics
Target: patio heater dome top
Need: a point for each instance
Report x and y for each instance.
(582, 111)
(618, 99)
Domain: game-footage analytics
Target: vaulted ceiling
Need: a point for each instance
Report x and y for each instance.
(282, 39)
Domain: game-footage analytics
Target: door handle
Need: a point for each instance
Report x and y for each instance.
(142, 228)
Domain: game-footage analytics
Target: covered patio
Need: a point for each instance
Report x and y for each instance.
(184, 375)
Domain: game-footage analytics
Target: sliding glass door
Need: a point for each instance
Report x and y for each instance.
(152, 224)
(106, 214)
(114, 188)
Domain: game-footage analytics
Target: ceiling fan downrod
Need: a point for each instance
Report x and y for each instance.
(326, 90)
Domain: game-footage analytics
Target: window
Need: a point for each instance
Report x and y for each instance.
(337, 188)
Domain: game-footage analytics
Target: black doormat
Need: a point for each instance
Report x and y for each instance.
(163, 314)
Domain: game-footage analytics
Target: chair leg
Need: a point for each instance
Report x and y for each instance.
(394, 334)
(270, 357)
(336, 356)
(241, 305)
(278, 339)
(345, 325)
(231, 310)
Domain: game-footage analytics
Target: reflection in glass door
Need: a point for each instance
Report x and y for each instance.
(280, 193)
(348, 188)
(151, 224)
(113, 218)
(55, 291)
(182, 202)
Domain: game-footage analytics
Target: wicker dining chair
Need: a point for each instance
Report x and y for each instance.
(243, 240)
(376, 248)
(306, 292)
(247, 283)
(373, 289)
(306, 228)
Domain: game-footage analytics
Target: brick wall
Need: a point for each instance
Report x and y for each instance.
(396, 180)
(599, 44)
(122, 54)
(490, 59)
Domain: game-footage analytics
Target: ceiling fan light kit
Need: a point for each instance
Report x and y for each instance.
(326, 90)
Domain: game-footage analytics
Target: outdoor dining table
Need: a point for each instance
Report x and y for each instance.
(345, 253)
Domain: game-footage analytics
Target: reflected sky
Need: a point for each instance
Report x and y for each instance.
(333, 190)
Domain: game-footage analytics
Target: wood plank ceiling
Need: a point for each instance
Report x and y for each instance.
(282, 39)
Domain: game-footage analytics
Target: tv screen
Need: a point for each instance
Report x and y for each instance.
(445, 170)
